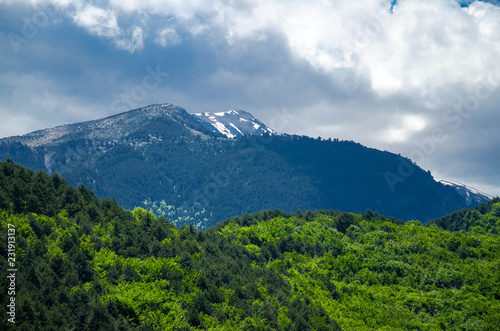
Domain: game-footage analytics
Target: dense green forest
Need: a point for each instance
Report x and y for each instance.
(87, 264)
(485, 218)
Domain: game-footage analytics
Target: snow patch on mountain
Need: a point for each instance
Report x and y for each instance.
(470, 194)
(235, 123)
(236, 128)
(221, 127)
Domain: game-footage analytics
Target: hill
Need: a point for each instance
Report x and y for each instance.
(181, 166)
(483, 219)
(88, 264)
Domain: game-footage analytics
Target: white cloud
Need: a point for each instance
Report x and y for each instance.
(134, 40)
(61, 3)
(430, 44)
(167, 37)
(104, 23)
(98, 21)
(423, 45)
(487, 18)
(405, 128)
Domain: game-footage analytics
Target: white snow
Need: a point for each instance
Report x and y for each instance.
(466, 187)
(222, 129)
(229, 121)
(234, 126)
(447, 182)
(47, 161)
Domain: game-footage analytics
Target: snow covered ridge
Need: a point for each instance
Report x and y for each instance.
(111, 127)
(235, 123)
(470, 194)
(231, 124)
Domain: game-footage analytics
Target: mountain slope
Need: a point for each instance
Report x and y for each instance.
(178, 165)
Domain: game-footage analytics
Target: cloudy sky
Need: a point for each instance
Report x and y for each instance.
(416, 77)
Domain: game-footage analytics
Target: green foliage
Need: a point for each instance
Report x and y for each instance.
(485, 218)
(88, 264)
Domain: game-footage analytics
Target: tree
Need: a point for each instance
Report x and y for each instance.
(344, 221)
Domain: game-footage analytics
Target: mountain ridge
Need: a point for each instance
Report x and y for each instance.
(176, 164)
(128, 119)
(247, 124)
(471, 195)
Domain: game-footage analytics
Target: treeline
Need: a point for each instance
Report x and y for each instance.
(88, 264)
(485, 218)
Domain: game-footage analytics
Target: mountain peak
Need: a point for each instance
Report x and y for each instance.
(471, 195)
(158, 110)
(230, 124)
(111, 127)
(235, 123)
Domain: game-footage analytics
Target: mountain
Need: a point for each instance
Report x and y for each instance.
(471, 195)
(116, 126)
(235, 123)
(182, 166)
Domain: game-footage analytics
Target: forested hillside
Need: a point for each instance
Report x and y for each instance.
(485, 218)
(88, 264)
